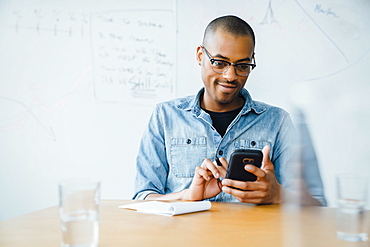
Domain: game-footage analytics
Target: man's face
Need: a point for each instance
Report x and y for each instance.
(222, 90)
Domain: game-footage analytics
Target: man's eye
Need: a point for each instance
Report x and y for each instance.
(220, 64)
(243, 67)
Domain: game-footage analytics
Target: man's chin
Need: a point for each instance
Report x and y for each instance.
(225, 101)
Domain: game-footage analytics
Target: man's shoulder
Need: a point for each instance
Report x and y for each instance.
(181, 103)
(269, 107)
(259, 106)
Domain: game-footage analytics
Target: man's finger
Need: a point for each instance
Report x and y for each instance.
(209, 165)
(241, 185)
(201, 172)
(245, 194)
(266, 162)
(222, 169)
(255, 170)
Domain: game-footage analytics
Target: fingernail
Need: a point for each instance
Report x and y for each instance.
(217, 175)
(249, 168)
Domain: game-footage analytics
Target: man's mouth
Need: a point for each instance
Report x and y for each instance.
(227, 87)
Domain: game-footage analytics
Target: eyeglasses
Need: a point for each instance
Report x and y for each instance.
(221, 66)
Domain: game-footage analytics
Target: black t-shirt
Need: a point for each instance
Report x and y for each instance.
(222, 120)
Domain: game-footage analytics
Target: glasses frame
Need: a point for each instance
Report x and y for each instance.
(212, 60)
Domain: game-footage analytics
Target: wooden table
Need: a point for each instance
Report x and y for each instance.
(226, 224)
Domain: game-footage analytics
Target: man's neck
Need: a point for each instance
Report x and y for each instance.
(219, 107)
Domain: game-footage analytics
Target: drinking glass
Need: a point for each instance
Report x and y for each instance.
(79, 212)
(352, 191)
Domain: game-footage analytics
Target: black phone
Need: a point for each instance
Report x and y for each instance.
(238, 159)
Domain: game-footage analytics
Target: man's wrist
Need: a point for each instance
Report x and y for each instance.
(185, 195)
(279, 196)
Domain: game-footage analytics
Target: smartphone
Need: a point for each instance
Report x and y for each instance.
(240, 158)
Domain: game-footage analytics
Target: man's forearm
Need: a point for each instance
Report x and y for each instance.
(172, 196)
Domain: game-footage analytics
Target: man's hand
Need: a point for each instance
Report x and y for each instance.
(206, 183)
(264, 190)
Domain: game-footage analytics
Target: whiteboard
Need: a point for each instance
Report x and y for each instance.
(79, 80)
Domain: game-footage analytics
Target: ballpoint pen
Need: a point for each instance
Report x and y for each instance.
(218, 161)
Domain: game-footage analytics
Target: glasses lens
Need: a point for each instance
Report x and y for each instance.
(243, 69)
(219, 66)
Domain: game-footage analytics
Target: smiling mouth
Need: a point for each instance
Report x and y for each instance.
(227, 85)
(227, 88)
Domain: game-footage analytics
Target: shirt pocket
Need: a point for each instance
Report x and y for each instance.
(251, 144)
(186, 154)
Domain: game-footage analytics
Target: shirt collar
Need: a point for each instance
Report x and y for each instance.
(194, 103)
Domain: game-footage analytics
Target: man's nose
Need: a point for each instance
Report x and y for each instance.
(230, 73)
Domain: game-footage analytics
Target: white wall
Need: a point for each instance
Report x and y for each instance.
(78, 81)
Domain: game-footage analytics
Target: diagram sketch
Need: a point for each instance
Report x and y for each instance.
(38, 110)
(40, 79)
(52, 22)
(313, 35)
(269, 17)
(134, 53)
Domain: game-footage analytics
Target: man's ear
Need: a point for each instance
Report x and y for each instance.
(199, 54)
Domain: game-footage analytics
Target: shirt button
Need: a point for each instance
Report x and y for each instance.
(220, 152)
(253, 143)
(188, 141)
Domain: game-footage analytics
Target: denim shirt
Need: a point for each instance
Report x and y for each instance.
(180, 136)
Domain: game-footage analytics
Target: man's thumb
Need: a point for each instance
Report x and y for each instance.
(266, 162)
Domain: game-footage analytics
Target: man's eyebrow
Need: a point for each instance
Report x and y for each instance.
(226, 58)
(244, 59)
(222, 57)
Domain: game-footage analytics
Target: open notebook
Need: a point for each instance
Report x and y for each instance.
(168, 208)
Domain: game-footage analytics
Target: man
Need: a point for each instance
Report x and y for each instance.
(177, 155)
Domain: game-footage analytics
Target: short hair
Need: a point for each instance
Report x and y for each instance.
(232, 24)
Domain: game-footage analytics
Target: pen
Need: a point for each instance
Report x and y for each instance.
(218, 161)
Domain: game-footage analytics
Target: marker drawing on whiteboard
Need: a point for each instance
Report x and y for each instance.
(16, 125)
(55, 22)
(328, 11)
(58, 105)
(134, 58)
(323, 31)
(20, 123)
(269, 17)
(80, 80)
